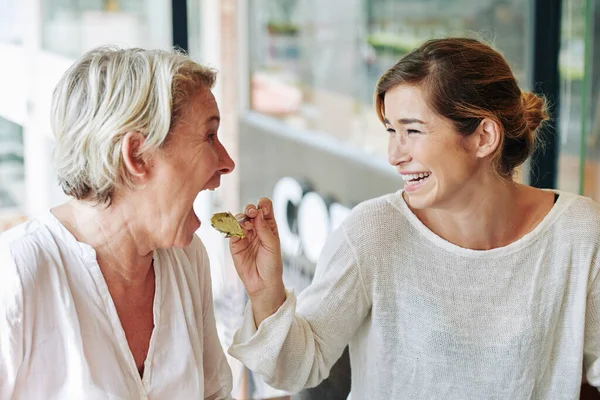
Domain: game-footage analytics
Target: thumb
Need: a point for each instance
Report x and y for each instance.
(264, 232)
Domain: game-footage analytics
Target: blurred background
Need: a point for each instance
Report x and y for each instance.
(296, 79)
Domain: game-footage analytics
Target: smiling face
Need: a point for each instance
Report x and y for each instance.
(193, 159)
(437, 164)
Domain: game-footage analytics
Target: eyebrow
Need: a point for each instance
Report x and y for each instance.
(406, 121)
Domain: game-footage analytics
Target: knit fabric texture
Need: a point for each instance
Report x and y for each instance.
(427, 319)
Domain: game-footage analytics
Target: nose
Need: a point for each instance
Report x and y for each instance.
(398, 150)
(226, 164)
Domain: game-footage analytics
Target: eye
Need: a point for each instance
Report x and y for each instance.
(411, 131)
(391, 131)
(212, 137)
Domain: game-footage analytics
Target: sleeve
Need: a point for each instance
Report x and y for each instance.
(591, 347)
(591, 344)
(591, 341)
(11, 323)
(217, 374)
(296, 347)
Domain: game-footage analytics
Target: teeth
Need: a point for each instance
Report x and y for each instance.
(410, 177)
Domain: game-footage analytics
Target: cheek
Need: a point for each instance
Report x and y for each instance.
(391, 151)
(210, 163)
(204, 162)
(455, 167)
(202, 171)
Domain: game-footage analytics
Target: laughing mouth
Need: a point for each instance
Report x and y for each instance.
(412, 179)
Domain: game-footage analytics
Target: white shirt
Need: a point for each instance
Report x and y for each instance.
(61, 337)
(427, 319)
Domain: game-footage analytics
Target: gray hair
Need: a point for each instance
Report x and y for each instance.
(107, 93)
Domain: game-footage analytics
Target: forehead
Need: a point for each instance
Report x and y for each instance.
(406, 101)
(202, 106)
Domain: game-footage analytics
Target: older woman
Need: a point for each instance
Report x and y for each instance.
(463, 285)
(109, 295)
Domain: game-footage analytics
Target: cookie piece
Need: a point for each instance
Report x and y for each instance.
(226, 223)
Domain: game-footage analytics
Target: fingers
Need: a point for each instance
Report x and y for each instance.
(251, 212)
(267, 206)
(264, 232)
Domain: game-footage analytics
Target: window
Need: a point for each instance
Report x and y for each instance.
(318, 70)
(591, 103)
(71, 27)
(579, 119)
(11, 21)
(12, 174)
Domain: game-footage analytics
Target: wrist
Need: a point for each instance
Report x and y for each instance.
(266, 302)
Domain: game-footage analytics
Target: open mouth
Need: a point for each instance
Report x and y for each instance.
(415, 179)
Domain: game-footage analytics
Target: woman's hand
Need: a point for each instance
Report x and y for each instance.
(257, 259)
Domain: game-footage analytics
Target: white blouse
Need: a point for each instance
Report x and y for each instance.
(61, 337)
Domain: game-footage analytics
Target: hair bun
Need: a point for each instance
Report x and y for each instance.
(535, 111)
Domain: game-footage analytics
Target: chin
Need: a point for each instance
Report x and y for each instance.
(415, 202)
(421, 200)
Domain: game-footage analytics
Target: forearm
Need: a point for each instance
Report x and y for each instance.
(284, 349)
(267, 302)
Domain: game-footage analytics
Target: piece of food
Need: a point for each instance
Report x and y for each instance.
(226, 223)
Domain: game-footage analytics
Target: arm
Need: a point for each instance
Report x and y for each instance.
(293, 349)
(591, 346)
(217, 374)
(11, 323)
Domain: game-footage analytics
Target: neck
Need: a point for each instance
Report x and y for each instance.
(120, 239)
(481, 219)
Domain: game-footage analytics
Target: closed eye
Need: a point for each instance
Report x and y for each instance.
(409, 131)
(391, 131)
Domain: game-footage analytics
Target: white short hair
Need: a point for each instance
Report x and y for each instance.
(107, 93)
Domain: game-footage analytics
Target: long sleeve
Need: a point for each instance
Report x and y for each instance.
(217, 373)
(591, 348)
(296, 347)
(11, 324)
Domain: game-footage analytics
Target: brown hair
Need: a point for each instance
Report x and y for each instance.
(466, 81)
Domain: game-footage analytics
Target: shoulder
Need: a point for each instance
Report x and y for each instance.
(575, 232)
(378, 208)
(377, 219)
(26, 247)
(22, 236)
(579, 217)
(581, 206)
(21, 248)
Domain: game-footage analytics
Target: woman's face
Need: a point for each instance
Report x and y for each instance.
(193, 159)
(434, 160)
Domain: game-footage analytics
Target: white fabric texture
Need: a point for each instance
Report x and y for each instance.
(61, 337)
(426, 319)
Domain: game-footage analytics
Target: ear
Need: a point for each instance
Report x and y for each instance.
(132, 158)
(488, 137)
